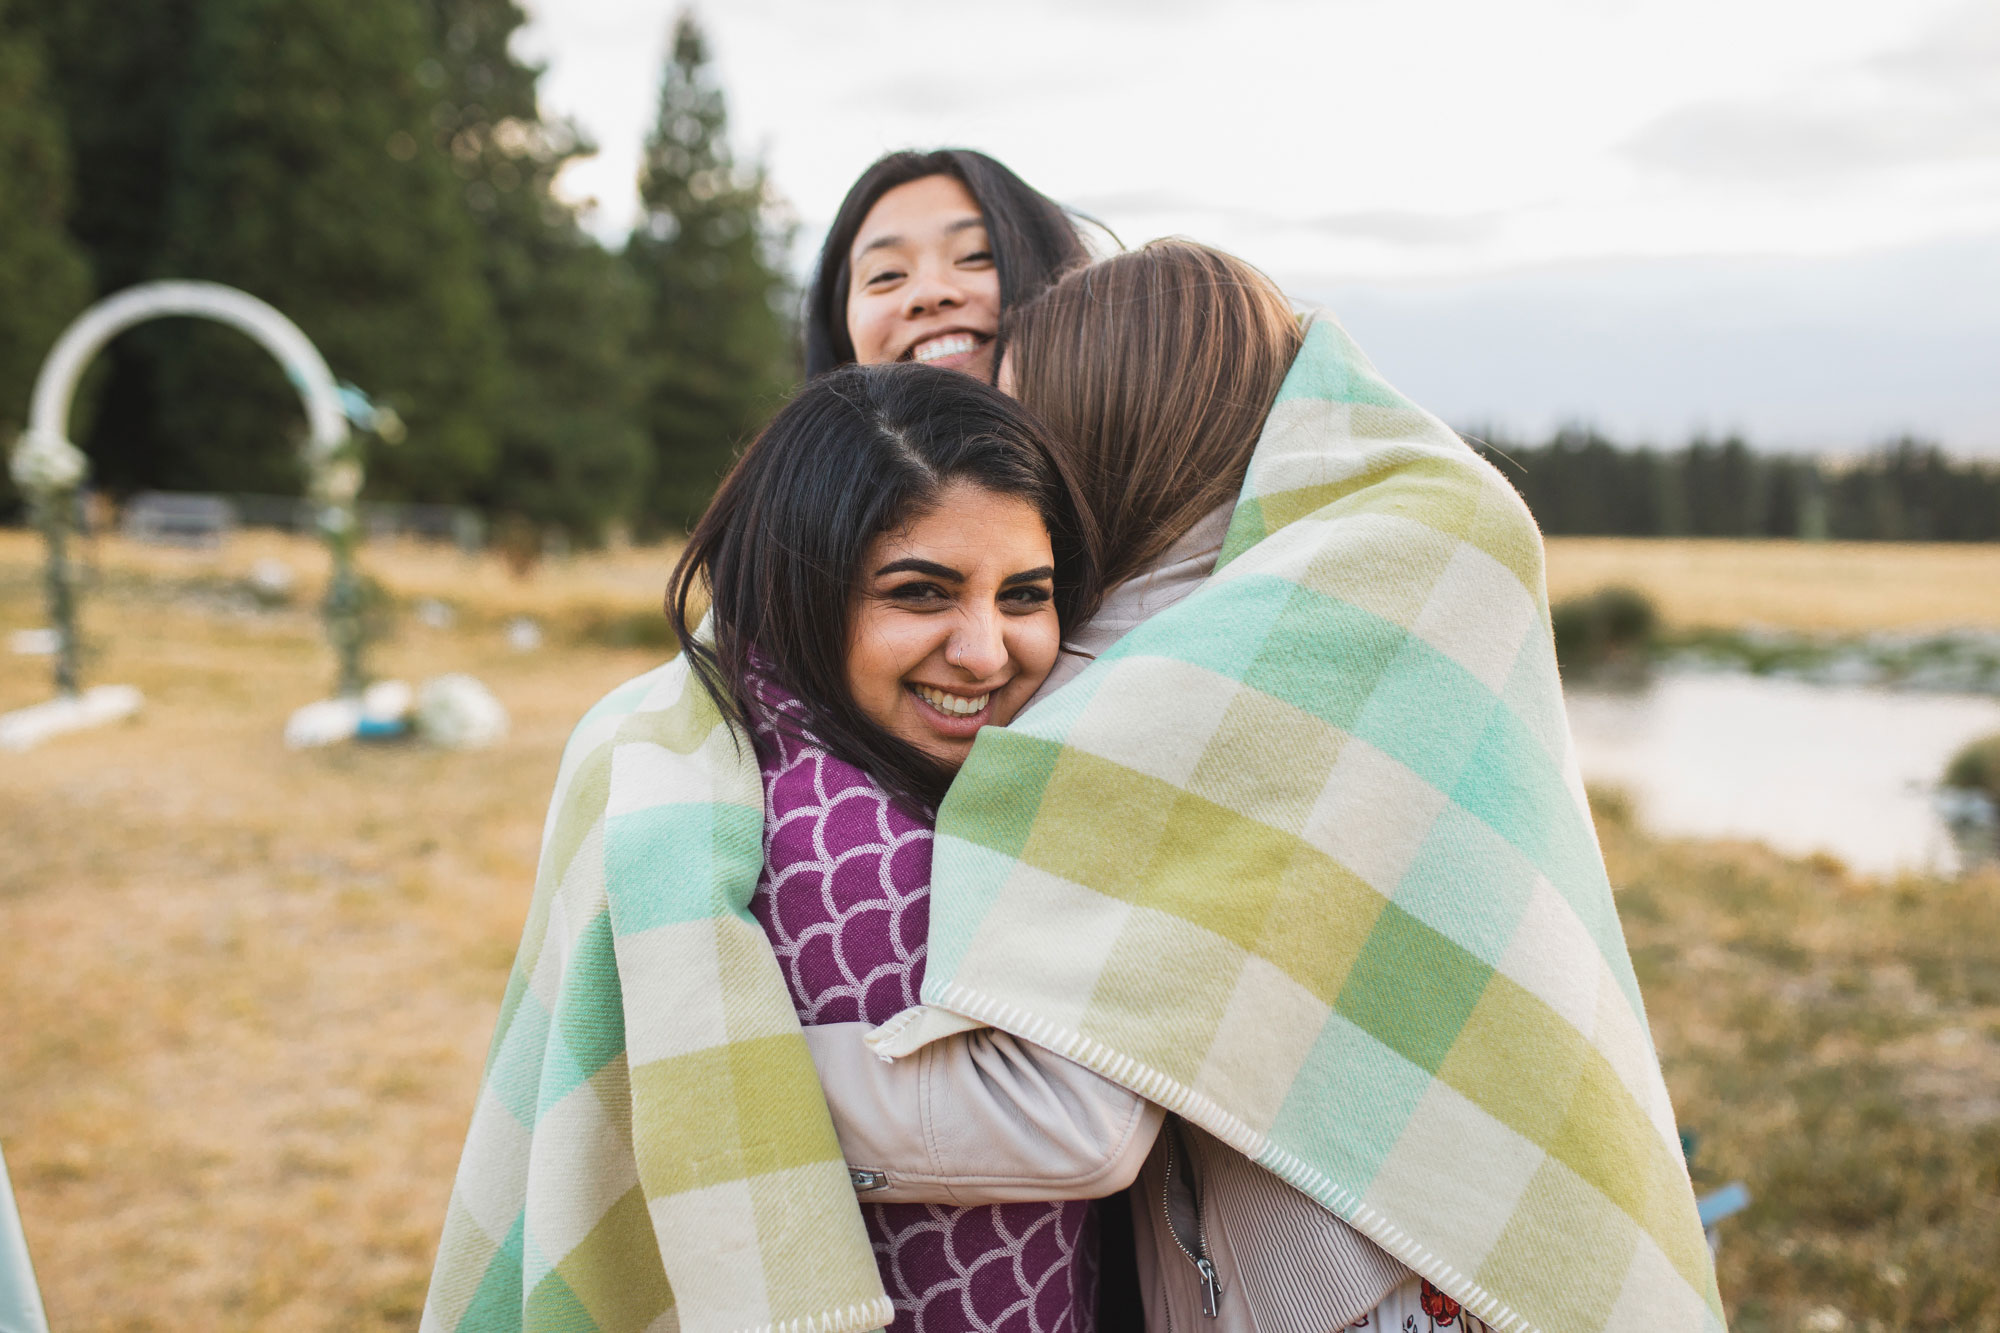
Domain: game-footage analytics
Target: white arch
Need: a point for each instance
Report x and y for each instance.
(55, 386)
(45, 450)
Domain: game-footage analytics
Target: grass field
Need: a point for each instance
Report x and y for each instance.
(247, 992)
(1835, 1043)
(1836, 587)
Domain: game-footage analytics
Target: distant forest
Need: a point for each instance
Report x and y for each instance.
(1580, 484)
(382, 172)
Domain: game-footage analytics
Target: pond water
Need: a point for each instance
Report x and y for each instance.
(1803, 768)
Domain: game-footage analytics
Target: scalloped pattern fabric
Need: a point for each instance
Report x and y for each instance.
(845, 899)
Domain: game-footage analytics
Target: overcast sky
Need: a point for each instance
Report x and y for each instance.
(1656, 217)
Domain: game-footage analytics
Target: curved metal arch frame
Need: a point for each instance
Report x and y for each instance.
(327, 436)
(55, 386)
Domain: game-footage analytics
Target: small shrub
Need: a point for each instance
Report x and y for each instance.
(1612, 805)
(1976, 767)
(1610, 631)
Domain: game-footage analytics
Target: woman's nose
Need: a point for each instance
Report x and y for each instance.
(932, 292)
(978, 646)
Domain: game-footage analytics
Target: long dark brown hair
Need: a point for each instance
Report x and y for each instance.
(1033, 239)
(779, 552)
(1154, 371)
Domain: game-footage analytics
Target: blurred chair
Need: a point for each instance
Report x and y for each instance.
(1717, 1205)
(164, 518)
(1728, 1201)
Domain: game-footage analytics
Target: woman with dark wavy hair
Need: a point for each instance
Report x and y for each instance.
(925, 253)
(735, 891)
(888, 569)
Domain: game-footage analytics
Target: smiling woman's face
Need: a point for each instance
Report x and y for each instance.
(954, 625)
(922, 285)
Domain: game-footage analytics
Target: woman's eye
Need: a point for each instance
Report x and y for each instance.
(877, 279)
(977, 257)
(1029, 598)
(917, 594)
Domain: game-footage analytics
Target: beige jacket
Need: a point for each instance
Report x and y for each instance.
(1225, 1245)
(983, 1117)
(978, 1118)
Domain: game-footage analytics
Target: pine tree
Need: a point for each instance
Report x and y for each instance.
(116, 71)
(570, 451)
(306, 174)
(44, 282)
(716, 336)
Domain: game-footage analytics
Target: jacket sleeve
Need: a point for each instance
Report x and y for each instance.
(978, 1118)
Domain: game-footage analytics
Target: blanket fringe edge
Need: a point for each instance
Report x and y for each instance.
(1233, 1130)
(862, 1318)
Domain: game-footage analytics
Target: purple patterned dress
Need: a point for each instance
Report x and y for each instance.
(845, 899)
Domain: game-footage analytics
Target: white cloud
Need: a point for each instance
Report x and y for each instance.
(1371, 138)
(1935, 101)
(1399, 149)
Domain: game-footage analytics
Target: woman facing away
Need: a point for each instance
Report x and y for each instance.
(1298, 850)
(1155, 371)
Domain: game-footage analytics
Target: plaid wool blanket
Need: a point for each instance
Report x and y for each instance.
(650, 1149)
(1306, 859)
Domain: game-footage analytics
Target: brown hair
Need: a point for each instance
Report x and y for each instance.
(1154, 370)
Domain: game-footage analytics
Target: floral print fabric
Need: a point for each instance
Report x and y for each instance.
(1418, 1307)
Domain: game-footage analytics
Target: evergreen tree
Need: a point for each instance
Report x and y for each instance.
(1908, 490)
(570, 451)
(716, 340)
(305, 172)
(116, 71)
(1667, 482)
(44, 282)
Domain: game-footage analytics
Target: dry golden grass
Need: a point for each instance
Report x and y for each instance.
(1836, 1042)
(247, 992)
(1834, 586)
(575, 592)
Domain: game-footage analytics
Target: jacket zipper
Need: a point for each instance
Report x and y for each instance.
(1211, 1285)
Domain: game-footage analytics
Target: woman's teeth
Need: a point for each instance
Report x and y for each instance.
(949, 345)
(955, 704)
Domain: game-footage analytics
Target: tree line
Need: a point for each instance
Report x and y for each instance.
(381, 172)
(1581, 484)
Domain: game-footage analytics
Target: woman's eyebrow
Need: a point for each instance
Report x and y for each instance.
(891, 242)
(912, 565)
(879, 243)
(1035, 575)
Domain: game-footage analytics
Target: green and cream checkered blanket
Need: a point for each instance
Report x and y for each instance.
(650, 1149)
(1306, 859)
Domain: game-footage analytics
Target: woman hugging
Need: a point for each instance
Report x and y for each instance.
(1107, 855)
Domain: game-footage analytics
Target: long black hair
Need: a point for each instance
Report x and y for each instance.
(1032, 238)
(779, 551)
